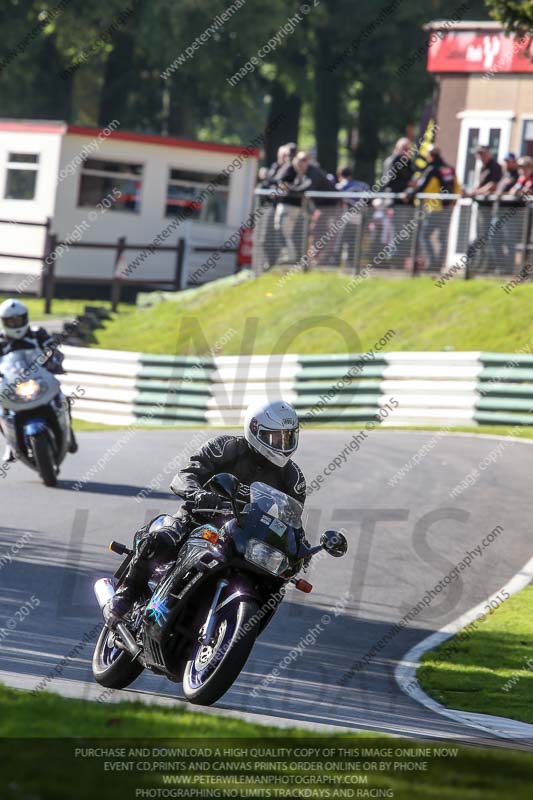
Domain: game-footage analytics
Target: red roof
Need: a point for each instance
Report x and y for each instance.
(32, 126)
(46, 126)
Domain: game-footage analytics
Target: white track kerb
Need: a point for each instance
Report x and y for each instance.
(405, 672)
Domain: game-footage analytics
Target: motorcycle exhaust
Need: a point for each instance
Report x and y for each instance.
(104, 591)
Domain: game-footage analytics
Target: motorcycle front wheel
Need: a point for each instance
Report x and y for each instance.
(112, 666)
(44, 459)
(212, 669)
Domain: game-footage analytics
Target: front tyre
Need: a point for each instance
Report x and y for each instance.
(113, 667)
(44, 460)
(212, 670)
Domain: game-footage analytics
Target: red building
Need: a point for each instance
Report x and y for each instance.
(485, 91)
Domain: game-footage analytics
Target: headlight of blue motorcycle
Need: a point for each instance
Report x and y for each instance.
(27, 390)
(267, 557)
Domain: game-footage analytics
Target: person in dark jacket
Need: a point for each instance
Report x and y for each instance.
(351, 221)
(312, 178)
(277, 175)
(487, 253)
(17, 334)
(490, 174)
(437, 178)
(262, 454)
(510, 176)
(398, 168)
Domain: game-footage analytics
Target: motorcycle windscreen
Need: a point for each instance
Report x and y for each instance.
(269, 528)
(276, 504)
(25, 381)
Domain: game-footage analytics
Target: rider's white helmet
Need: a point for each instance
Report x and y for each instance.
(272, 430)
(14, 317)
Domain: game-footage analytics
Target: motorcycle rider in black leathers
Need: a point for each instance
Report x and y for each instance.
(18, 335)
(262, 454)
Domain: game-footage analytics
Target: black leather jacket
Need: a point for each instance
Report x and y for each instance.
(233, 454)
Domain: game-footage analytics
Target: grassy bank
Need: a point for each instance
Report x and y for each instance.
(494, 430)
(489, 667)
(314, 313)
(48, 715)
(58, 769)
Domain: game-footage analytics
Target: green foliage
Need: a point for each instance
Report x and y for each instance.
(516, 15)
(122, 77)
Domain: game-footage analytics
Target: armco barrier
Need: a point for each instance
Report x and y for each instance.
(122, 387)
(505, 389)
(430, 388)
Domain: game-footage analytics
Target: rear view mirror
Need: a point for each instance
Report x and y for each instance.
(334, 543)
(224, 484)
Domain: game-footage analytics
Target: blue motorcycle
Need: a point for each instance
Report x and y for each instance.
(203, 612)
(34, 415)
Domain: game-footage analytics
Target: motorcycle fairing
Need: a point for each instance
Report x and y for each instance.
(196, 563)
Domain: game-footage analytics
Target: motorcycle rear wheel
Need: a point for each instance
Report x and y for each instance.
(212, 670)
(44, 459)
(113, 667)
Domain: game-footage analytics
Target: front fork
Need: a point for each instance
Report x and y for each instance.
(206, 633)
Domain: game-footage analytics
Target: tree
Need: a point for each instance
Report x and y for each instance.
(332, 72)
(516, 15)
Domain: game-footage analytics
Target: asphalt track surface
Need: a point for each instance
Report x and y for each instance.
(403, 540)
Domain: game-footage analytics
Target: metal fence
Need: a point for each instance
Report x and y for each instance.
(363, 232)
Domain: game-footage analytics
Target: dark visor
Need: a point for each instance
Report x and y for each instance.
(16, 322)
(279, 440)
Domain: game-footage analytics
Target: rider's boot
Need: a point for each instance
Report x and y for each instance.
(150, 550)
(132, 588)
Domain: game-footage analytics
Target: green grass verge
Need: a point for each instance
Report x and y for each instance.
(83, 425)
(285, 313)
(48, 769)
(485, 667)
(494, 430)
(49, 715)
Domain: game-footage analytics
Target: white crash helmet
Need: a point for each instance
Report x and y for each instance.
(14, 317)
(272, 430)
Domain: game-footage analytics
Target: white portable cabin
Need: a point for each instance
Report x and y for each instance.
(96, 185)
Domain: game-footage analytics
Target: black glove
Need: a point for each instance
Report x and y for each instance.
(209, 500)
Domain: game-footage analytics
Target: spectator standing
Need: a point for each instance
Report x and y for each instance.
(288, 215)
(353, 220)
(398, 167)
(271, 238)
(312, 178)
(437, 178)
(510, 176)
(490, 175)
(503, 193)
(398, 171)
(487, 251)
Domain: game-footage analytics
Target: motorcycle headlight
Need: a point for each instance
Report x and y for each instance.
(27, 390)
(267, 557)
